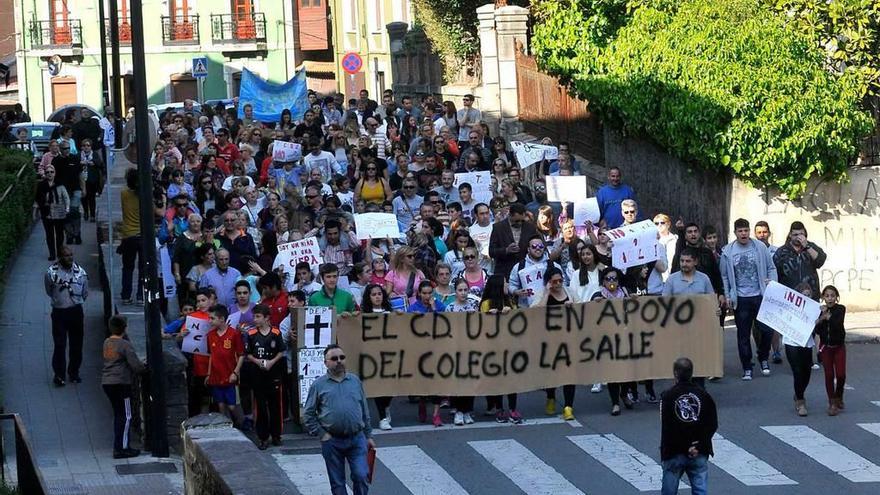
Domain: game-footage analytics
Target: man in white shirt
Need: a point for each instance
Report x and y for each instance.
(107, 125)
(320, 159)
(481, 230)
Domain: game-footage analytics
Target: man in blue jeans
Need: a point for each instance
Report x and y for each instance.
(342, 424)
(746, 269)
(688, 422)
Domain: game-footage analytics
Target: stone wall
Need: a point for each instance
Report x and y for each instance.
(842, 218)
(220, 460)
(665, 184)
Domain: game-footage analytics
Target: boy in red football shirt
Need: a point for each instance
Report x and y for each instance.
(226, 350)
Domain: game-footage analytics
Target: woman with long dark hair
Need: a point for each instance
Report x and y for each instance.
(376, 301)
(611, 288)
(54, 203)
(496, 300)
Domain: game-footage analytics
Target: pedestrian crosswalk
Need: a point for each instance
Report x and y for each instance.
(420, 469)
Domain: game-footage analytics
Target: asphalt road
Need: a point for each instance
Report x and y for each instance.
(766, 447)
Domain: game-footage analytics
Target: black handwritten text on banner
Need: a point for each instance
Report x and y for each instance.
(479, 354)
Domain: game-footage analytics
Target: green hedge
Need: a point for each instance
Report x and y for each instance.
(16, 210)
(722, 84)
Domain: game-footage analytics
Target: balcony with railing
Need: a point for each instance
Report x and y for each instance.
(124, 30)
(245, 32)
(57, 35)
(180, 30)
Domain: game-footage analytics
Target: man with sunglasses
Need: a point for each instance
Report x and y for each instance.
(468, 116)
(531, 268)
(336, 411)
(407, 204)
(226, 150)
(380, 141)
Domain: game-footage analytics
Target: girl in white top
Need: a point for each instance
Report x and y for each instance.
(584, 281)
(667, 240)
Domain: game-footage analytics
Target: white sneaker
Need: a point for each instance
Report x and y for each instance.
(597, 387)
(385, 424)
(747, 375)
(468, 419)
(459, 419)
(815, 366)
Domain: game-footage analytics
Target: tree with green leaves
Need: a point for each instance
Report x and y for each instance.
(722, 84)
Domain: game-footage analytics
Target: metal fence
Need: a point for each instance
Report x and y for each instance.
(180, 30)
(237, 28)
(48, 34)
(546, 109)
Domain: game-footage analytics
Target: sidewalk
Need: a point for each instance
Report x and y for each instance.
(70, 427)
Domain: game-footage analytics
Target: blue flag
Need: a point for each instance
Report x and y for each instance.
(270, 99)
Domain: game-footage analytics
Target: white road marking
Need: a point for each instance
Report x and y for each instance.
(524, 468)
(418, 472)
(307, 472)
(745, 467)
(871, 427)
(636, 468)
(478, 425)
(827, 452)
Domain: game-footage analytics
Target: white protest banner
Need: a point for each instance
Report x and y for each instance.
(283, 151)
(532, 280)
(634, 244)
(311, 367)
(789, 312)
(527, 153)
(317, 327)
(568, 188)
(586, 209)
(376, 225)
(196, 341)
(170, 288)
(481, 184)
(291, 253)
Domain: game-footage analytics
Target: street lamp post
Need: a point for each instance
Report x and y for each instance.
(116, 75)
(157, 413)
(102, 33)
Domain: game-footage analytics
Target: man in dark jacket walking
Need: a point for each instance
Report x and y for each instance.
(688, 422)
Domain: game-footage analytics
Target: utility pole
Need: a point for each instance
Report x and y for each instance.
(157, 412)
(117, 76)
(102, 33)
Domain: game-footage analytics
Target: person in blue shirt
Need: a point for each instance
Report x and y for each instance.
(610, 196)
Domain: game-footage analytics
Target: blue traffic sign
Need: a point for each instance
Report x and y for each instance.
(200, 67)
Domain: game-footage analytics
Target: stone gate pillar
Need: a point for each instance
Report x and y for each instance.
(490, 104)
(510, 28)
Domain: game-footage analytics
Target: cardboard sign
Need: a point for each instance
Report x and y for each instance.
(529, 153)
(317, 327)
(170, 288)
(586, 209)
(460, 354)
(376, 225)
(532, 279)
(634, 244)
(291, 253)
(789, 312)
(196, 341)
(283, 151)
(311, 367)
(481, 184)
(568, 188)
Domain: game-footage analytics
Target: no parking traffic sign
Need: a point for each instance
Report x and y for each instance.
(352, 63)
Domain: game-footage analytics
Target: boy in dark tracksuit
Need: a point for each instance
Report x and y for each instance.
(264, 353)
(121, 363)
(688, 422)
